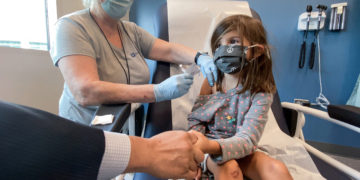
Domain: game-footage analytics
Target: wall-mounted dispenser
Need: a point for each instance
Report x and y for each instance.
(337, 18)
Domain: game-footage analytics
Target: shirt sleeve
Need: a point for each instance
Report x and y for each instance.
(70, 38)
(116, 156)
(145, 40)
(248, 134)
(196, 125)
(194, 121)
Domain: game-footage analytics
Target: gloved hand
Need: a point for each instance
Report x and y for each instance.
(173, 87)
(208, 68)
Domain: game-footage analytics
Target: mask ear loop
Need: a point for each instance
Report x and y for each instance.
(253, 62)
(243, 56)
(258, 45)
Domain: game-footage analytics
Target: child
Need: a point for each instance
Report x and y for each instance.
(230, 117)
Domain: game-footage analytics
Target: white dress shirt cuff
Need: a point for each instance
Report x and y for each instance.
(116, 156)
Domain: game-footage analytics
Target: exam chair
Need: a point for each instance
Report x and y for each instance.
(155, 125)
(120, 113)
(159, 116)
(343, 115)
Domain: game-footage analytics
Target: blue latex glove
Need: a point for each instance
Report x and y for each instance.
(208, 68)
(173, 87)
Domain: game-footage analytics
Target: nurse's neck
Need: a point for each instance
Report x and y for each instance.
(106, 23)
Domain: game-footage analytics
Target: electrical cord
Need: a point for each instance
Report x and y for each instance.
(321, 100)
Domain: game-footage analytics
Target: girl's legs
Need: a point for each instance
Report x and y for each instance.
(260, 166)
(229, 170)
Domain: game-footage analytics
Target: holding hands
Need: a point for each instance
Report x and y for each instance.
(206, 145)
(174, 155)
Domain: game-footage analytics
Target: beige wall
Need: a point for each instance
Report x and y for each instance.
(28, 77)
(64, 7)
(68, 6)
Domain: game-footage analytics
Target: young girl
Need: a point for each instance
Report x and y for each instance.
(229, 118)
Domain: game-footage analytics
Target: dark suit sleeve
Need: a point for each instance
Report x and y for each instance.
(35, 144)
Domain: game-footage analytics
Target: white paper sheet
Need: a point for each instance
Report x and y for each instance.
(289, 150)
(103, 120)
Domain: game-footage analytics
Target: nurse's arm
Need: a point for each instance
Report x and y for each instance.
(81, 75)
(172, 52)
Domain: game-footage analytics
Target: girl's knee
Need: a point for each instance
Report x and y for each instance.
(232, 169)
(278, 166)
(278, 169)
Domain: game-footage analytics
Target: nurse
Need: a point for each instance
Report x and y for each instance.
(102, 61)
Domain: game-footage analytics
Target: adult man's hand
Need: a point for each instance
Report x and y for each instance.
(175, 155)
(206, 145)
(171, 154)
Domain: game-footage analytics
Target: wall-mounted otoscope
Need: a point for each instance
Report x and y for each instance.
(303, 45)
(310, 21)
(316, 34)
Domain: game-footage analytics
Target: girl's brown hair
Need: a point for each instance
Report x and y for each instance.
(257, 76)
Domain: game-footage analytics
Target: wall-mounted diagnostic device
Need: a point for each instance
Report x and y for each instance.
(337, 17)
(312, 21)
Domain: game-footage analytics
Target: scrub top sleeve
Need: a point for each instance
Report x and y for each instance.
(70, 39)
(145, 40)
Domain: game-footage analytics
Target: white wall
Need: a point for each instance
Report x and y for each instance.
(28, 77)
(68, 6)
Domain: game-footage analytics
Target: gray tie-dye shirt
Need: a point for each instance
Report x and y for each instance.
(236, 121)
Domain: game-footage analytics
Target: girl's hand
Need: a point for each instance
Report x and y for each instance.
(202, 142)
(212, 166)
(198, 175)
(206, 145)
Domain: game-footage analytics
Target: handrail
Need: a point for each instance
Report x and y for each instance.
(318, 113)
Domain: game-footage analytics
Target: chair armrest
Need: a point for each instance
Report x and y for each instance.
(120, 112)
(345, 113)
(320, 155)
(354, 174)
(318, 113)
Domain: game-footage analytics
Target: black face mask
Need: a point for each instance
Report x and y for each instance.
(230, 59)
